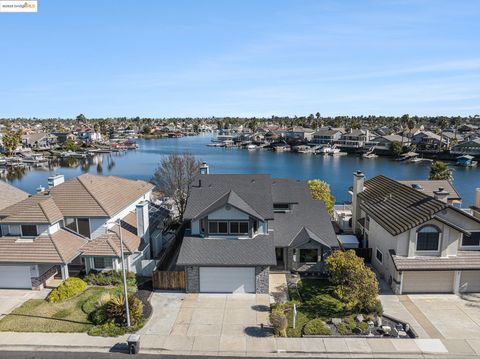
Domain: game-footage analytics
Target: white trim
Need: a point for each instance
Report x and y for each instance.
(439, 246)
(36, 231)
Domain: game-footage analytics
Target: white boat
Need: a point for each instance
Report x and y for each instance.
(251, 147)
(369, 155)
(415, 160)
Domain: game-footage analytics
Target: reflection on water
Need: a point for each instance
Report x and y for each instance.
(337, 171)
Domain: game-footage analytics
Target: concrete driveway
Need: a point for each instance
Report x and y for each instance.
(13, 298)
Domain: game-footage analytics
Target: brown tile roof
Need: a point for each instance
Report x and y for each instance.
(97, 196)
(429, 186)
(83, 196)
(10, 195)
(465, 260)
(109, 244)
(38, 209)
(395, 206)
(59, 247)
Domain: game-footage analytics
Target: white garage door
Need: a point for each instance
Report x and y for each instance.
(470, 281)
(227, 280)
(427, 282)
(15, 277)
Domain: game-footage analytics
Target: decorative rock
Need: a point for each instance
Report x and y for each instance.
(336, 321)
(359, 318)
(407, 327)
(394, 333)
(386, 329)
(378, 321)
(371, 324)
(402, 334)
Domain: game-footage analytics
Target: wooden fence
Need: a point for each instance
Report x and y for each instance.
(168, 280)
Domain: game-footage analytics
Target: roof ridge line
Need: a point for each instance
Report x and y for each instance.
(91, 194)
(111, 245)
(56, 248)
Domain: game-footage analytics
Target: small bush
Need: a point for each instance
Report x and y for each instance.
(69, 288)
(279, 323)
(316, 327)
(296, 332)
(375, 308)
(350, 323)
(115, 309)
(111, 278)
(363, 326)
(343, 329)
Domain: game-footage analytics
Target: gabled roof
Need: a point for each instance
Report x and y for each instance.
(60, 247)
(10, 195)
(234, 200)
(397, 207)
(252, 192)
(38, 209)
(304, 236)
(83, 196)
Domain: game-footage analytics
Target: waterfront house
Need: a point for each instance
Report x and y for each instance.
(299, 133)
(74, 226)
(467, 148)
(354, 139)
(383, 144)
(63, 136)
(466, 161)
(427, 141)
(38, 141)
(327, 136)
(242, 226)
(419, 243)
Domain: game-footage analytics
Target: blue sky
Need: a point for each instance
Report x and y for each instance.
(245, 57)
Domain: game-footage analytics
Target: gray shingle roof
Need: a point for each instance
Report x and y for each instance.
(242, 252)
(395, 206)
(287, 191)
(253, 189)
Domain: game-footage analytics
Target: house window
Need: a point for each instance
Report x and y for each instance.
(103, 263)
(379, 256)
(473, 240)
(83, 225)
(231, 227)
(71, 223)
(308, 255)
(428, 239)
(29, 230)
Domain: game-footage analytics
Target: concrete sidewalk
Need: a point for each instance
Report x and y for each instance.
(244, 346)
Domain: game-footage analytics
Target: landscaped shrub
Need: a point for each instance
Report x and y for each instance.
(350, 323)
(110, 278)
(363, 326)
(279, 323)
(115, 309)
(316, 327)
(69, 288)
(302, 319)
(324, 305)
(374, 308)
(343, 329)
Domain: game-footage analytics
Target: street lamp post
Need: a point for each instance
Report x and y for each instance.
(125, 290)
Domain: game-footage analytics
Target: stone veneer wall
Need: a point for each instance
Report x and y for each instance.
(262, 279)
(192, 275)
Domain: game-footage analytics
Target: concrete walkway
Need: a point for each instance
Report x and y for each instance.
(420, 317)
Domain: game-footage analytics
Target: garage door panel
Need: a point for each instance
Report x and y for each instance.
(15, 277)
(470, 282)
(227, 279)
(427, 282)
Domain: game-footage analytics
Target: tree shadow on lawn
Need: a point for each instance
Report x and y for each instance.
(49, 318)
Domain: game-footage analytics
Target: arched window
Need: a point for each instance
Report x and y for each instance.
(428, 238)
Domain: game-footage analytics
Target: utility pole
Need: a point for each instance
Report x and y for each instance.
(125, 290)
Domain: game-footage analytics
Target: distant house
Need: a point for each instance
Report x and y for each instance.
(467, 148)
(74, 225)
(38, 141)
(467, 128)
(426, 141)
(89, 134)
(243, 226)
(300, 133)
(384, 143)
(327, 136)
(63, 136)
(354, 139)
(420, 243)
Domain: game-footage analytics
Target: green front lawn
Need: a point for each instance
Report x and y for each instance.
(38, 315)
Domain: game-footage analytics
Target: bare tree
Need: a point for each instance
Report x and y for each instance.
(174, 177)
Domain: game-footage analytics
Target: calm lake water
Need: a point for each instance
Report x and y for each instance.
(337, 171)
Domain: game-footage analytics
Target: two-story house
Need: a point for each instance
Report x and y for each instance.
(327, 136)
(74, 223)
(427, 141)
(420, 243)
(242, 224)
(354, 139)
